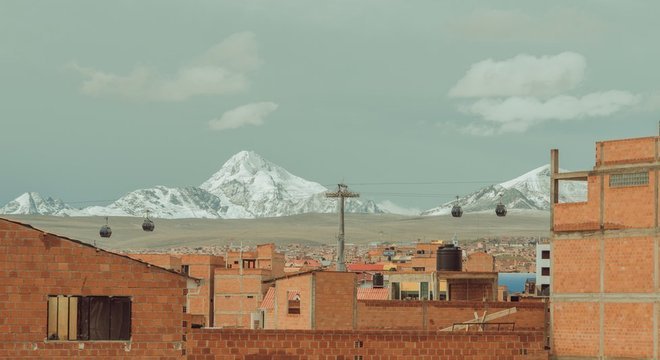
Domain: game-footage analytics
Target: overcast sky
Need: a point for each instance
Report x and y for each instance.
(99, 98)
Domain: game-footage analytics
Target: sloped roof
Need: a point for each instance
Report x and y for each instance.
(268, 302)
(373, 294)
(45, 233)
(364, 267)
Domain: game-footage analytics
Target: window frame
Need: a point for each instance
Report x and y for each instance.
(75, 323)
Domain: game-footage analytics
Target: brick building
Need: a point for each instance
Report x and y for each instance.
(312, 300)
(64, 298)
(479, 262)
(604, 255)
(264, 257)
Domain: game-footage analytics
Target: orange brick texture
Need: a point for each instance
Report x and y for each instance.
(479, 261)
(577, 265)
(625, 151)
(237, 296)
(435, 315)
(576, 329)
(221, 344)
(629, 330)
(34, 265)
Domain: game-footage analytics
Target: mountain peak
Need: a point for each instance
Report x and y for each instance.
(246, 162)
(31, 203)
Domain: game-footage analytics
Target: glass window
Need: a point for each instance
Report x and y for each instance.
(545, 271)
(424, 290)
(630, 179)
(545, 254)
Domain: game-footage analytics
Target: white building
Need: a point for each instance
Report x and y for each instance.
(543, 269)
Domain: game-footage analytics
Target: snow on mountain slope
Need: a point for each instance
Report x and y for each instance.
(529, 191)
(268, 190)
(32, 203)
(168, 203)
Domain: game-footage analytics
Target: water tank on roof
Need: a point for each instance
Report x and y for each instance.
(449, 258)
(378, 280)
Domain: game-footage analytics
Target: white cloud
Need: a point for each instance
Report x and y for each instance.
(517, 114)
(522, 75)
(250, 114)
(223, 69)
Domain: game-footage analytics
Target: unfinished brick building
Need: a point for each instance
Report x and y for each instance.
(605, 269)
(60, 298)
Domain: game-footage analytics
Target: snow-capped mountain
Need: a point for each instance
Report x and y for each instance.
(32, 203)
(264, 189)
(247, 186)
(169, 203)
(529, 191)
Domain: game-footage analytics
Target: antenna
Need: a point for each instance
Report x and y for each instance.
(341, 193)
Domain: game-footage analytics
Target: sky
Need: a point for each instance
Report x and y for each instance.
(408, 101)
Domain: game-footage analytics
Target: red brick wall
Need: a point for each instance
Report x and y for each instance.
(625, 151)
(479, 261)
(580, 216)
(393, 345)
(571, 276)
(630, 206)
(629, 330)
(431, 315)
(471, 290)
(34, 265)
(334, 300)
(166, 261)
(237, 296)
(629, 265)
(576, 329)
(284, 320)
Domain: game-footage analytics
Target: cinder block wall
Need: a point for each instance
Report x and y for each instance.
(34, 265)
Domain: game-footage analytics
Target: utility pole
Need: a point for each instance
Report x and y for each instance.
(341, 193)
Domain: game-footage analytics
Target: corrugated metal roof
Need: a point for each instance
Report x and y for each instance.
(373, 294)
(269, 300)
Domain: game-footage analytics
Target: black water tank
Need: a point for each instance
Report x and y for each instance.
(450, 258)
(378, 280)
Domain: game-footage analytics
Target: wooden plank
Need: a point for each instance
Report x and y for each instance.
(63, 317)
(73, 318)
(485, 319)
(574, 175)
(52, 317)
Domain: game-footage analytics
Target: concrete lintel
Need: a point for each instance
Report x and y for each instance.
(572, 176)
(607, 234)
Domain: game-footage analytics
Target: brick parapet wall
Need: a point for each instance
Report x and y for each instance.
(220, 344)
(417, 315)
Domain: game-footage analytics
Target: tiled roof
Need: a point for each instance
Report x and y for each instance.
(293, 295)
(364, 267)
(372, 294)
(269, 300)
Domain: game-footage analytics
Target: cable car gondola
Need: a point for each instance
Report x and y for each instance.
(147, 224)
(105, 231)
(456, 210)
(500, 209)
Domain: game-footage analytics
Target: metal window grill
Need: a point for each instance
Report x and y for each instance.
(630, 179)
